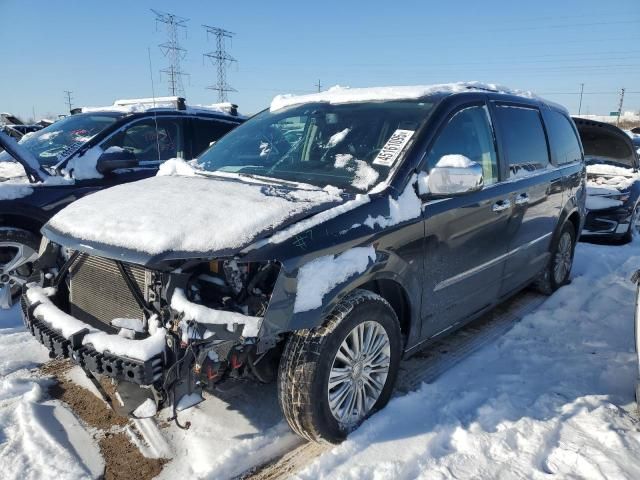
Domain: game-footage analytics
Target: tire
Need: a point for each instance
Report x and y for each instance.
(558, 269)
(18, 252)
(310, 356)
(634, 225)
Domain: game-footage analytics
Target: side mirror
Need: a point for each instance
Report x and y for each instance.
(455, 175)
(114, 158)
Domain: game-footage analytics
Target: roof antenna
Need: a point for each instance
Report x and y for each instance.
(153, 96)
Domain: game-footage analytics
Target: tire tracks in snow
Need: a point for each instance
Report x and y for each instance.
(423, 367)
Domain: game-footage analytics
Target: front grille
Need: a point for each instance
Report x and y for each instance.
(98, 293)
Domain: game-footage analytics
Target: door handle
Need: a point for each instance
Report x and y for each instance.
(501, 205)
(522, 199)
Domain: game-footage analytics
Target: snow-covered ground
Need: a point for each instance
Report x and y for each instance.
(552, 398)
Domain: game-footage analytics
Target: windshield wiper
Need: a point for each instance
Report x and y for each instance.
(277, 181)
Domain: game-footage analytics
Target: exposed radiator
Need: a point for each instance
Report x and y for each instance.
(98, 293)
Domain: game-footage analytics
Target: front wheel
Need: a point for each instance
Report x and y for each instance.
(18, 252)
(558, 269)
(333, 377)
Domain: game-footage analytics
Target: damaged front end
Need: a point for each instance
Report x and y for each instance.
(172, 332)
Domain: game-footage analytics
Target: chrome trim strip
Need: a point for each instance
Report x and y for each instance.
(472, 271)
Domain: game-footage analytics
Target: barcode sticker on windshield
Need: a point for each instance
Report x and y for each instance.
(391, 150)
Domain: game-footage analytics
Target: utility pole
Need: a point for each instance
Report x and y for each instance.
(620, 106)
(172, 50)
(319, 85)
(221, 59)
(581, 92)
(69, 99)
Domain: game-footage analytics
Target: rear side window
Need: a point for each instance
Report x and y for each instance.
(563, 138)
(524, 140)
(206, 132)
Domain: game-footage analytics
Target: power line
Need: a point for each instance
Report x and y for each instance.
(69, 99)
(221, 59)
(172, 50)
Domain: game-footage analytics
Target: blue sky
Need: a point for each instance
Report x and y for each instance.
(99, 49)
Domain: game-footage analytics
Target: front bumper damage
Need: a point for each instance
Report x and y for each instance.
(175, 376)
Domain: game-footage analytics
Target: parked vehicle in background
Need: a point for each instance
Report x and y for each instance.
(83, 153)
(613, 181)
(321, 241)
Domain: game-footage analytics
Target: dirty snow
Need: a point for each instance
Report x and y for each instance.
(197, 209)
(338, 94)
(553, 398)
(39, 438)
(321, 275)
(210, 316)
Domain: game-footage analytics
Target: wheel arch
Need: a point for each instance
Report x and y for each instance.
(25, 222)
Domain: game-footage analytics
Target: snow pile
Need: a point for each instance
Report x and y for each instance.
(11, 170)
(47, 311)
(209, 316)
(364, 175)
(137, 349)
(604, 184)
(406, 207)
(338, 94)
(598, 202)
(176, 166)
(552, 398)
(321, 275)
(85, 167)
(176, 213)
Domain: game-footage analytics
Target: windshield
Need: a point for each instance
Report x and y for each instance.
(351, 146)
(53, 143)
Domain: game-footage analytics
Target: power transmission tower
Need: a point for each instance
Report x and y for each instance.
(69, 99)
(319, 85)
(172, 50)
(221, 59)
(620, 106)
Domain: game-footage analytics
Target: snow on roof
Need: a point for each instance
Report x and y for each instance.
(136, 105)
(338, 94)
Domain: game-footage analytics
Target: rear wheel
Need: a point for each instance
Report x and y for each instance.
(18, 252)
(333, 377)
(558, 269)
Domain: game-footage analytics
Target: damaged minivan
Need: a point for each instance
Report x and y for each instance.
(315, 246)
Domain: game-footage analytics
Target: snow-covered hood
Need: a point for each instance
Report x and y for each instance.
(185, 214)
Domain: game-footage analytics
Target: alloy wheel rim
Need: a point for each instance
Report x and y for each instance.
(359, 372)
(563, 259)
(16, 261)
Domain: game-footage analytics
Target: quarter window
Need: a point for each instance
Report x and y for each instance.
(524, 140)
(468, 133)
(563, 138)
